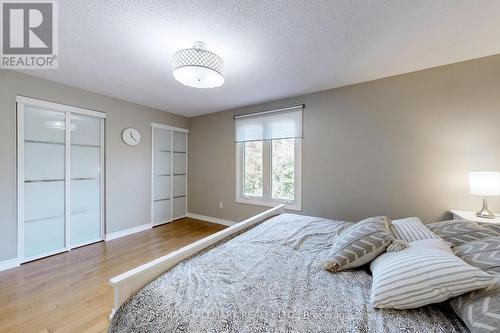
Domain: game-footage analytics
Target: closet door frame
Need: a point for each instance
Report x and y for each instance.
(172, 130)
(21, 102)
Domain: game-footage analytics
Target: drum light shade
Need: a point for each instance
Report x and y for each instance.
(198, 68)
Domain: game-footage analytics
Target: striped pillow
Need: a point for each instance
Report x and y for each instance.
(426, 272)
(411, 229)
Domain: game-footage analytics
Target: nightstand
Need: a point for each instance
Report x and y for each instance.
(471, 216)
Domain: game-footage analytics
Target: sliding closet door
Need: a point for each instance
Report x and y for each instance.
(44, 182)
(60, 177)
(86, 181)
(179, 174)
(169, 173)
(162, 178)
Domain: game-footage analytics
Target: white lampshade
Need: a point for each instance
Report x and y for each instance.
(485, 183)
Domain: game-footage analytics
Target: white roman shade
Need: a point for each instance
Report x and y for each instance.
(269, 125)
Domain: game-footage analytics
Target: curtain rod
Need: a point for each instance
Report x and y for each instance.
(269, 111)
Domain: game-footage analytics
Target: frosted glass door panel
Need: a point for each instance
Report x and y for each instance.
(44, 125)
(85, 179)
(162, 139)
(43, 199)
(43, 161)
(85, 162)
(44, 179)
(162, 163)
(85, 130)
(179, 185)
(162, 211)
(85, 227)
(179, 163)
(83, 195)
(179, 141)
(43, 236)
(179, 207)
(162, 188)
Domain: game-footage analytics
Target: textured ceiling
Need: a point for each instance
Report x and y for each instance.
(272, 49)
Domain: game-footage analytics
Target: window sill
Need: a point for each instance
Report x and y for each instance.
(295, 207)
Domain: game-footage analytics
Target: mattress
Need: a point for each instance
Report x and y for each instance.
(269, 279)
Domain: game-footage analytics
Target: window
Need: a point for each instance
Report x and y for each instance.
(269, 169)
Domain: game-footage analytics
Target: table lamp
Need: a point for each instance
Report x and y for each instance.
(486, 184)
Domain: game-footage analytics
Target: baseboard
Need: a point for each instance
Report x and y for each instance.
(9, 263)
(126, 232)
(211, 219)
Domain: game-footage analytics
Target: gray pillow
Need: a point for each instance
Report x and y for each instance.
(359, 244)
(459, 232)
(480, 309)
(483, 253)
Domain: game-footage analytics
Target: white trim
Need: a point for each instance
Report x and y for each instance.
(186, 172)
(211, 219)
(172, 128)
(58, 106)
(67, 181)
(126, 232)
(171, 174)
(128, 283)
(20, 180)
(267, 204)
(102, 177)
(152, 176)
(9, 264)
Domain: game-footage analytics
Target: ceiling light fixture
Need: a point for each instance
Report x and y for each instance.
(198, 68)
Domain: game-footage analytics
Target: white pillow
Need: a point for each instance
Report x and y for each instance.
(411, 229)
(426, 272)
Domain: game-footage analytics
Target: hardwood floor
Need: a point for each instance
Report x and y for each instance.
(69, 292)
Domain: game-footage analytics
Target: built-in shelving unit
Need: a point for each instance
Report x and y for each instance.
(169, 147)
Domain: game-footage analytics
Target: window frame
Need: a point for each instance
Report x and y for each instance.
(266, 199)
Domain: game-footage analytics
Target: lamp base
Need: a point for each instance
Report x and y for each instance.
(484, 212)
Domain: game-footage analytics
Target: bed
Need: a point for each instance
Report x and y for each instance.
(261, 275)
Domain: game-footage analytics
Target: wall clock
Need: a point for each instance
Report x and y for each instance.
(131, 136)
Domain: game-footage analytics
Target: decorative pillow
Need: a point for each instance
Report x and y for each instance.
(411, 229)
(459, 232)
(480, 309)
(491, 226)
(360, 244)
(483, 253)
(426, 272)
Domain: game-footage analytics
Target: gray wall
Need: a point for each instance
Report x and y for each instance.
(400, 146)
(128, 168)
